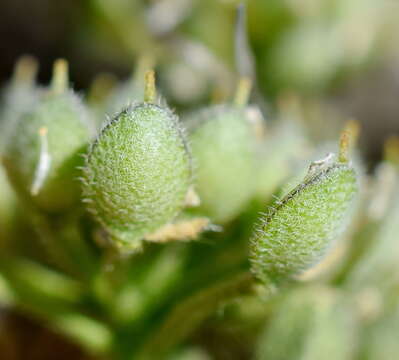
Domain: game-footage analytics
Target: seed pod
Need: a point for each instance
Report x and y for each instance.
(309, 324)
(45, 147)
(223, 144)
(300, 229)
(137, 172)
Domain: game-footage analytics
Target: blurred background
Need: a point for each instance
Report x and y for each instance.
(338, 56)
(343, 52)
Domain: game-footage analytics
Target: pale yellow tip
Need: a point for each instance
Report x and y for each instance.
(60, 79)
(352, 126)
(150, 90)
(344, 147)
(43, 131)
(243, 91)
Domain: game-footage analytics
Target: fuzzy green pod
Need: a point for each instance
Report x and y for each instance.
(46, 146)
(302, 226)
(137, 173)
(223, 146)
(309, 324)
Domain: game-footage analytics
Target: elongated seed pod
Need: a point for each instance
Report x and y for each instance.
(137, 173)
(223, 146)
(301, 227)
(45, 147)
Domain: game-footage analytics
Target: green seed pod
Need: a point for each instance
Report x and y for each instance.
(45, 148)
(300, 229)
(138, 172)
(223, 146)
(309, 324)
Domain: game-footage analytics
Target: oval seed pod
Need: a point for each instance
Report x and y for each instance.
(300, 229)
(138, 171)
(45, 148)
(223, 146)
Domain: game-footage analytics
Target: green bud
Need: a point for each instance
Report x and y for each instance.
(138, 171)
(223, 146)
(44, 151)
(302, 226)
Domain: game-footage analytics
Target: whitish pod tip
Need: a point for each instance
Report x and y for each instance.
(60, 78)
(43, 164)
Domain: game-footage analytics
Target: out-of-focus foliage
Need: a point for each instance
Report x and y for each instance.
(209, 221)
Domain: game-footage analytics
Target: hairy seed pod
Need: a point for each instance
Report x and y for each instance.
(137, 172)
(309, 324)
(301, 227)
(223, 146)
(45, 148)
